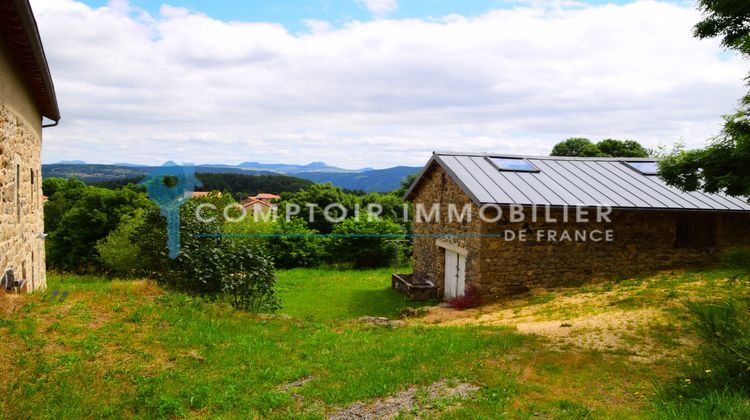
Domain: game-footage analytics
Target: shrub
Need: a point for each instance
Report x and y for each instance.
(365, 242)
(78, 216)
(292, 248)
(737, 258)
(470, 299)
(118, 251)
(724, 327)
(209, 265)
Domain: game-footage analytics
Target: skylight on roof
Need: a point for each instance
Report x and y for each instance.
(513, 164)
(644, 167)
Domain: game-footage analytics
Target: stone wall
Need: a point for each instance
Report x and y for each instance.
(21, 207)
(642, 242)
(437, 187)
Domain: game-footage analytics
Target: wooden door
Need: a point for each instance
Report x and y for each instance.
(455, 274)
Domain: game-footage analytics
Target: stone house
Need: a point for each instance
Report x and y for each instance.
(537, 222)
(27, 96)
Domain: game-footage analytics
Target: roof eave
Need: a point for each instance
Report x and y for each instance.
(20, 30)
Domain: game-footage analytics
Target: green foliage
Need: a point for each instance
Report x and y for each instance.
(78, 216)
(723, 166)
(113, 184)
(321, 196)
(724, 327)
(736, 258)
(241, 185)
(576, 146)
(292, 247)
(366, 242)
(583, 147)
(247, 276)
(208, 264)
(622, 148)
(52, 185)
(118, 251)
(405, 184)
(729, 20)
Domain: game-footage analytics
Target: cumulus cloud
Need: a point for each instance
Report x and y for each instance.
(185, 87)
(380, 7)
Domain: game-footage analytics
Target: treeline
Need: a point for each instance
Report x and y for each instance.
(96, 229)
(239, 185)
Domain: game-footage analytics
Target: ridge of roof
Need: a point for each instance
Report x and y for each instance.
(542, 157)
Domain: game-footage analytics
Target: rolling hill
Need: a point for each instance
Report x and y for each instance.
(369, 180)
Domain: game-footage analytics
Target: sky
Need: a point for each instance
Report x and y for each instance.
(375, 83)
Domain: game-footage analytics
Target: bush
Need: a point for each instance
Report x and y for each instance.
(470, 299)
(292, 248)
(79, 216)
(724, 327)
(737, 258)
(365, 242)
(118, 251)
(209, 265)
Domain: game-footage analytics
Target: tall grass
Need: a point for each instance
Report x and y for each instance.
(716, 378)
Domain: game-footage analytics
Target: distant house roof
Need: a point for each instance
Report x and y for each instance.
(254, 201)
(265, 196)
(202, 194)
(21, 36)
(565, 181)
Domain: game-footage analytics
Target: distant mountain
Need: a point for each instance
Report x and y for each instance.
(129, 165)
(294, 169)
(71, 162)
(91, 173)
(380, 180)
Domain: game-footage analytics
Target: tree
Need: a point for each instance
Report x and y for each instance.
(80, 216)
(621, 148)
(209, 263)
(365, 242)
(727, 19)
(576, 146)
(317, 197)
(724, 165)
(583, 147)
(294, 245)
(119, 252)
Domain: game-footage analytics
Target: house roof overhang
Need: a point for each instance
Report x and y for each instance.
(19, 30)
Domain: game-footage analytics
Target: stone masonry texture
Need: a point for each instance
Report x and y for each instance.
(642, 242)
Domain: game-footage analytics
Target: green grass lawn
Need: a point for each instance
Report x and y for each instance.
(330, 294)
(129, 348)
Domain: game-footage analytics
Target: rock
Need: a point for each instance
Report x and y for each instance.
(381, 321)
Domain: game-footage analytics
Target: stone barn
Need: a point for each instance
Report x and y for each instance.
(26, 97)
(508, 224)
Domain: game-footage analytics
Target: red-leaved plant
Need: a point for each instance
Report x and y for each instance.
(470, 299)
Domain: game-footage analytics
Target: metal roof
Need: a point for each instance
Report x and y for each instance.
(571, 181)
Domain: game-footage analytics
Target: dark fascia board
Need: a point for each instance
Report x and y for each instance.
(21, 35)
